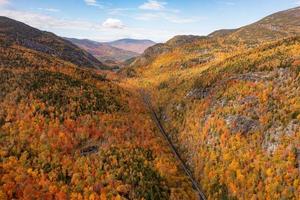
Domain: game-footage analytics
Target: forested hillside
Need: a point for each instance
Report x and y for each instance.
(232, 110)
(229, 101)
(191, 51)
(70, 132)
(15, 34)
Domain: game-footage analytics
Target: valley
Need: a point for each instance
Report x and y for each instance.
(115, 53)
(216, 115)
(225, 106)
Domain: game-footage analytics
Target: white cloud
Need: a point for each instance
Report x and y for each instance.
(85, 29)
(162, 13)
(4, 2)
(178, 20)
(93, 3)
(90, 2)
(153, 5)
(46, 22)
(147, 17)
(49, 9)
(113, 23)
(119, 11)
(168, 17)
(230, 3)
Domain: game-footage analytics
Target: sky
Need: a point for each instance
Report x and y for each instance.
(158, 20)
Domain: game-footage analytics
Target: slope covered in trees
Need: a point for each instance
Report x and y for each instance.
(69, 133)
(238, 123)
(234, 117)
(190, 51)
(237, 120)
(14, 33)
(229, 102)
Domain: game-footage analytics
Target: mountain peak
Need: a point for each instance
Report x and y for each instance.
(103, 51)
(134, 45)
(131, 40)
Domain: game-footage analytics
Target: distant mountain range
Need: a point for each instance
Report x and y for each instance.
(103, 51)
(113, 52)
(17, 34)
(229, 102)
(137, 46)
(83, 53)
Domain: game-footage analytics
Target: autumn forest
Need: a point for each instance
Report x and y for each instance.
(73, 126)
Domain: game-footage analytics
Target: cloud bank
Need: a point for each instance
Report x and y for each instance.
(153, 5)
(113, 23)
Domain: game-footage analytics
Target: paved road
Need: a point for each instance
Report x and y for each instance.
(147, 101)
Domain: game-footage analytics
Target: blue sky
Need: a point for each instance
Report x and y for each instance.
(158, 20)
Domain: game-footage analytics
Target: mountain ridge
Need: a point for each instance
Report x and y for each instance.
(21, 34)
(230, 102)
(134, 45)
(103, 51)
(280, 24)
(271, 28)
